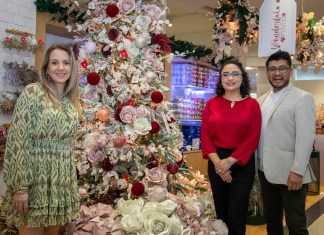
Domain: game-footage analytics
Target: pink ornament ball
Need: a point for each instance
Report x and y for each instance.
(90, 47)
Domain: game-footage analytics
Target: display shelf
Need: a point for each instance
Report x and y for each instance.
(192, 85)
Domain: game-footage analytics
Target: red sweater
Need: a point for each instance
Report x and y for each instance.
(231, 128)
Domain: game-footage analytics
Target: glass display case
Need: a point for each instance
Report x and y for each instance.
(192, 85)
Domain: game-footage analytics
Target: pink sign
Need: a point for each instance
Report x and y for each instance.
(277, 27)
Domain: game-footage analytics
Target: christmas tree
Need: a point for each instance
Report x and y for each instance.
(128, 150)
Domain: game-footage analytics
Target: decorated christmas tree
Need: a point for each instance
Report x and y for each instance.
(128, 150)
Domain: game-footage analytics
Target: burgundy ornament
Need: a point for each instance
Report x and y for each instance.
(155, 127)
(93, 78)
(117, 112)
(119, 142)
(138, 189)
(171, 120)
(112, 10)
(157, 97)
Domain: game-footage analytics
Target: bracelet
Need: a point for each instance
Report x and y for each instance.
(229, 162)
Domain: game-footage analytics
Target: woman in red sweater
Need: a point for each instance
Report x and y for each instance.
(230, 132)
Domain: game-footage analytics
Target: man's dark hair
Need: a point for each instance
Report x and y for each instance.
(279, 55)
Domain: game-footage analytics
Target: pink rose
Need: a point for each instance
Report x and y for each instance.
(157, 193)
(153, 11)
(8, 39)
(23, 39)
(156, 175)
(128, 114)
(96, 154)
(126, 6)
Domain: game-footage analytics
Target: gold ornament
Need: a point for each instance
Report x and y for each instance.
(103, 114)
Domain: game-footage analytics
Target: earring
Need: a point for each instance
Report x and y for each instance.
(220, 85)
(47, 77)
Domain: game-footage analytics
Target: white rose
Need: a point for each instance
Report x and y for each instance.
(167, 207)
(142, 126)
(156, 223)
(128, 114)
(176, 225)
(131, 223)
(130, 207)
(142, 22)
(153, 11)
(157, 193)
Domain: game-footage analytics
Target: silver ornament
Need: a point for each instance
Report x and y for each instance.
(140, 42)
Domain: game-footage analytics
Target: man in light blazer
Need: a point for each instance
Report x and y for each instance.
(286, 142)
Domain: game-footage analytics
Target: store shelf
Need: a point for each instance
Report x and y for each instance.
(194, 88)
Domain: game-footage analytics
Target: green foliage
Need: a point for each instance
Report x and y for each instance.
(58, 12)
(191, 50)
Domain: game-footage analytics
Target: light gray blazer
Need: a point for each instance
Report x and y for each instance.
(289, 136)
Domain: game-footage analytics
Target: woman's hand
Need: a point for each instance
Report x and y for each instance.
(226, 176)
(20, 201)
(222, 165)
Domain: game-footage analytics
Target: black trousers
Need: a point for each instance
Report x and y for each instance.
(231, 199)
(276, 200)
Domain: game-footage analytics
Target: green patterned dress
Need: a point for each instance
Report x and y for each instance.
(39, 158)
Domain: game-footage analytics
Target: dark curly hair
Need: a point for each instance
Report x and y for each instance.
(245, 89)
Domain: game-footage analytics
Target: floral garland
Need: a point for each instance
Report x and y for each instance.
(235, 21)
(23, 43)
(310, 44)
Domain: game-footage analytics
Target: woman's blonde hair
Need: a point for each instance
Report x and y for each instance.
(71, 90)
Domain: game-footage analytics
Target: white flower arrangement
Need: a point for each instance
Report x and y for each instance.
(310, 44)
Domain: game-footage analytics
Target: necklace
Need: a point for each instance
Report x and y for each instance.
(232, 101)
(232, 104)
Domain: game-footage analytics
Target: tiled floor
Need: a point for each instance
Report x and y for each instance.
(314, 212)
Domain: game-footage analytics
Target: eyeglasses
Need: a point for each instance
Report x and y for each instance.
(233, 75)
(281, 69)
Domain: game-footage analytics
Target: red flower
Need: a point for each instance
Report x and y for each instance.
(113, 34)
(123, 54)
(22, 39)
(152, 162)
(125, 177)
(138, 189)
(106, 165)
(112, 10)
(105, 53)
(157, 97)
(41, 42)
(171, 120)
(173, 168)
(8, 39)
(116, 115)
(155, 127)
(162, 41)
(84, 64)
(131, 103)
(93, 78)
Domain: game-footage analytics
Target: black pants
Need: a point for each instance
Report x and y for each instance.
(231, 199)
(276, 200)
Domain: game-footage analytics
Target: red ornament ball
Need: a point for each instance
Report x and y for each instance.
(155, 127)
(119, 142)
(93, 78)
(112, 10)
(138, 189)
(157, 97)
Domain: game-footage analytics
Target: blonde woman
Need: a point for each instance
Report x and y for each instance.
(39, 168)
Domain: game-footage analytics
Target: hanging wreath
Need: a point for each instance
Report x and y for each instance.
(310, 44)
(23, 43)
(235, 21)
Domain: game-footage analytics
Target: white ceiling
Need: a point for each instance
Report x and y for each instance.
(189, 17)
